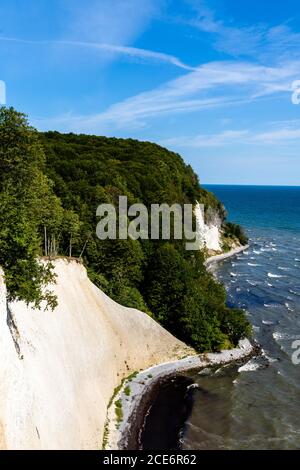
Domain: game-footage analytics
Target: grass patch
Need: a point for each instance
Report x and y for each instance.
(132, 376)
(116, 391)
(119, 411)
(105, 436)
(127, 391)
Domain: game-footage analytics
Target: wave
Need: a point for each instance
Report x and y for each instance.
(288, 307)
(205, 371)
(276, 276)
(280, 335)
(269, 358)
(253, 264)
(282, 268)
(250, 366)
(193, 386)
(294, 292)
(273, 305)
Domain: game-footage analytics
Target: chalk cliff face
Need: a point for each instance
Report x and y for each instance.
(58, 369)
(210, 230)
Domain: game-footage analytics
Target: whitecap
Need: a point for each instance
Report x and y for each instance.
(282, 268)
(288, 307)
(205, 371)
(273, 305)
(269, 359)
(274, 275)
(250, 366)
(253, 264)
(281, 335)
(192, 386)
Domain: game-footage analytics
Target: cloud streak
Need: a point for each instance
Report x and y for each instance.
(257, 41)
(214, 84)
(127, 51)
(279, 136)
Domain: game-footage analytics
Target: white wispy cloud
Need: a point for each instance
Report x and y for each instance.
(260, 41)
(207, 140)
(279, 136)
(134, 52)
(210, 85)
(109, 21)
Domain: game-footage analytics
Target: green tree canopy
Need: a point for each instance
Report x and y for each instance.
(24, 193)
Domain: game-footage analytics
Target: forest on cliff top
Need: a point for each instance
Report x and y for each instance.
(50, 187)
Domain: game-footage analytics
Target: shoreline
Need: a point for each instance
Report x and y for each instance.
(136, 393)
(129, 406)
(217, 258)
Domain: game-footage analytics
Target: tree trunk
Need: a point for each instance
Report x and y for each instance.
(84, 247)
(45, 236)
(70, 247)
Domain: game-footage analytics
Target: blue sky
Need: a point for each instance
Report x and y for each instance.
(209, 79)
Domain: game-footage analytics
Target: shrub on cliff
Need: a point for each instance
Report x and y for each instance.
(232, 231)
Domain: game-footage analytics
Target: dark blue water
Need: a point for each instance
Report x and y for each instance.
(261, 207)
(257, 406)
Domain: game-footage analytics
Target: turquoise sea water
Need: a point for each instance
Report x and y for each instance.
(258, 406)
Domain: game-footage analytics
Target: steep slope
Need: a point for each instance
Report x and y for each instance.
(58, 370)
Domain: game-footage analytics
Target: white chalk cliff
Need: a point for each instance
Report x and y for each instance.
(58, 369)
(209, 233)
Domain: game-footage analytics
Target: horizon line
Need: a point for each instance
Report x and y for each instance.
(252, 185)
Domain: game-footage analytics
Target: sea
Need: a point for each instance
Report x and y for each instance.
(254, 405)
